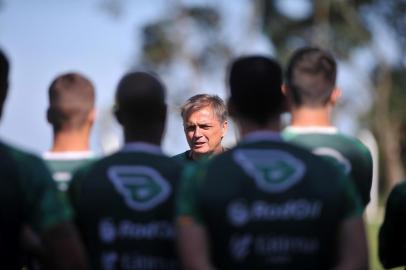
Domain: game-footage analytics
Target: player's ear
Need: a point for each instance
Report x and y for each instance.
(92, 115)
(335, 95)
(49, 115)
(284, 89)
(231, 108)
(117, 114)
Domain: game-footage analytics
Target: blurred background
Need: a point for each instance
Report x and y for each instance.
(189, 43)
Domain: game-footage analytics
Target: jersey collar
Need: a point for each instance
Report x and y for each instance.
(262, 136)
(68, 155)
(312, 129)
(142, 147)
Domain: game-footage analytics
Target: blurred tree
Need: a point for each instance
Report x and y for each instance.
(389, 114)
(188, 37)
(342, 26)
(113, 8)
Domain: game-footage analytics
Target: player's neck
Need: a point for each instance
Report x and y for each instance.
(71, 141)
(246, 126)
(311, 117)
(152, 138)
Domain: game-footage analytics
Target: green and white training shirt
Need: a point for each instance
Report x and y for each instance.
(267, 204)
(63, 164)
(347, 153)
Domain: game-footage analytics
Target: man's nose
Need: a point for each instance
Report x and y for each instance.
(198, 132)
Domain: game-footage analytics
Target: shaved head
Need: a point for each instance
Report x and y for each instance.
(71, 99)
(140, 100)
(255, 88)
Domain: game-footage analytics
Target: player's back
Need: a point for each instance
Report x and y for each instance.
(271, 205)
(125, 210)
(346, 152)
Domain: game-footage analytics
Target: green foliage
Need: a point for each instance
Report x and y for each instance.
(206, 17)
(398, 96)
(334, 24)
(158, 48)
(163, 40)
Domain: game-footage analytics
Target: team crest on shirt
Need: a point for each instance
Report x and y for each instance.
(273, 170)
(142, 187)
(336, 157)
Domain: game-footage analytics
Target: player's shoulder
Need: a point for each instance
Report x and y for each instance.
(328, 137)
(27, 169)
(123, 158)
(276, 150)
(21, 158)
(352, 147)
(182, 157)
(354, 141)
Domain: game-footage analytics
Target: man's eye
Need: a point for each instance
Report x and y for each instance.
(205, 127)
(191, 128)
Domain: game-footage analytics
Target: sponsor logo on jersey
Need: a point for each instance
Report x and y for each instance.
(274, 249)
(134, 260)
(240, 246)
(107, 231)
(240, 212)
(336, 157)
(142, 187)
(110, 231)
(274, 171)
(109, 260)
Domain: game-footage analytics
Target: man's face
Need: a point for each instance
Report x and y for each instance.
(204, 132)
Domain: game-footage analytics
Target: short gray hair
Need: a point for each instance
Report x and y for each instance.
(200, 101)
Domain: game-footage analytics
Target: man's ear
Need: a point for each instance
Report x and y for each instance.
(224, 128)
(335, 95)
(287, 103)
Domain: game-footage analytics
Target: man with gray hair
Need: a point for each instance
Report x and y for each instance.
(205, 124)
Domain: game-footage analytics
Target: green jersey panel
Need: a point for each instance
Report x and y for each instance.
(125, 210)
(269, 205)
(347, 153)
(63, 168)
(392, 236)
(28, 195)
